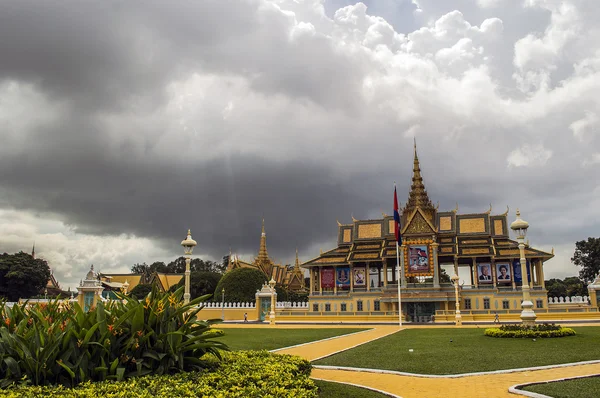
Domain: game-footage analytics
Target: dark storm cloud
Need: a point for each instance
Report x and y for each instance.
(115, 54)
(223, 201)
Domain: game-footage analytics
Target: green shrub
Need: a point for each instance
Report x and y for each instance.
(240, 285)
(240, 374)
(47, 344)
(543, 330)
(538, 327)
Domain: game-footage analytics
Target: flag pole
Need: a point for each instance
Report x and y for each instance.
(396, 215)
(399, 296)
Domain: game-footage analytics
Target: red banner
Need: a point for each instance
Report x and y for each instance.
(327, 277)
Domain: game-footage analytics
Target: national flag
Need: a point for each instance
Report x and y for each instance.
(397, 218)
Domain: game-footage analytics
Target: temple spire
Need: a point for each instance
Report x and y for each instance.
(297, 265)
(418, 194)
(33, 250)
(263, 255)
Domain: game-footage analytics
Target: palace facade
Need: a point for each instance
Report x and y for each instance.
(360, 274)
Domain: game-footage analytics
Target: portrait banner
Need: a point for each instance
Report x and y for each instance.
(503, 274)
(418, 259)
(342, 276)
(517, 271)
(359, 277)
(327, 277)
(374, 277)
(484, 273)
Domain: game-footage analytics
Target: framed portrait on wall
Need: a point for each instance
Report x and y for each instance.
(503, 274)
(359, 277)
(418, 258)
(484, 273)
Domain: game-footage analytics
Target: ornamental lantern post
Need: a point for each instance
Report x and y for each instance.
(188, 246)
(520, 226)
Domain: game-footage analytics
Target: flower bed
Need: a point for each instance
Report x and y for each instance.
(239, 374)
(59, 343)
(543, 330)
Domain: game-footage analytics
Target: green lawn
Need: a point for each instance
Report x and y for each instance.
(270, 339)
(337, 390)
(452, 351)
(576, 388)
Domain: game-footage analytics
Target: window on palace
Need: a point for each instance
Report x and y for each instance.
(315, 307)
(327, 307)
(505, 305)
(377, 305)
(539, 303)
(359, 305)
(486, 303)
(343, 307)
(467, 304)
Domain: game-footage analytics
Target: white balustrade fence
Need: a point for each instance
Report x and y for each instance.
(279, 304)
(569, 300)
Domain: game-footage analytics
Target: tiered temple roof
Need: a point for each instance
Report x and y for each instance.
(458, 235)
(293, 278)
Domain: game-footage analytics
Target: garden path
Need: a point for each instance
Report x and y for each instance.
(492, 385)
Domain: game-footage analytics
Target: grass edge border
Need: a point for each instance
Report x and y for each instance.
(318, 341)
(453, 376)
(386, 393)
(517, 388)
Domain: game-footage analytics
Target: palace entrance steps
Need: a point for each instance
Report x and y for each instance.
(486, 384)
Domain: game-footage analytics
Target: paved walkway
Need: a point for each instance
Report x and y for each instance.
(490, 385)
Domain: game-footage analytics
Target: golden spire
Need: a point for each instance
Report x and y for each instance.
(263, 255)
(418, 194)
(297, 265)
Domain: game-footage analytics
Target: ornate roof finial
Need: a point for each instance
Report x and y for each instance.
(418, 194)
(506, 212)
(263, 255)
(353, 219)
(383, 214)
(415, 145)
(553, 250)
(339, 223)
(490, 210)
(297, 265)
(456, 209)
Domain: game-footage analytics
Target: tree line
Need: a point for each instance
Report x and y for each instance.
(22, 276)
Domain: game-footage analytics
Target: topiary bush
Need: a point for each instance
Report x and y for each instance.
(60, 344)
(544, 330)
(240, 285)
(252, 374)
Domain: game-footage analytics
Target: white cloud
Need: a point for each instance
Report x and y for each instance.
(585, 126)
(70, 254)
(529, 155)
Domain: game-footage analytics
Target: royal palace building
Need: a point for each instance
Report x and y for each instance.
(360, 274)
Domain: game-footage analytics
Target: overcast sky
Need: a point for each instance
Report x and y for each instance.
(122, 125)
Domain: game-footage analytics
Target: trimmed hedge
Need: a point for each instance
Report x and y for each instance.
(543, 330)
(239, 374)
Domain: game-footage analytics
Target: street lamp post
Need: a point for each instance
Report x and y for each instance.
(272, 313)
(457, 316)
(188, 246)
(223, 304)
(520, 227)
